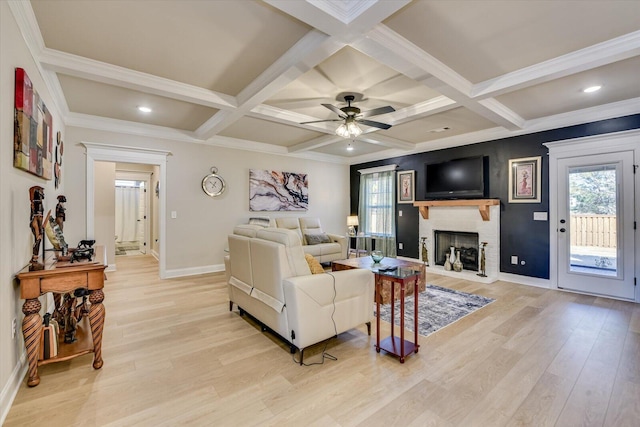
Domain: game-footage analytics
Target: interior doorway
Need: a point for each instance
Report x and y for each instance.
(97, 153)
(133, 213)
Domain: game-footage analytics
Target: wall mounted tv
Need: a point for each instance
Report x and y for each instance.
(456, 179)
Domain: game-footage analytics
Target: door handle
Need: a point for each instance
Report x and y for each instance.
(562, 230)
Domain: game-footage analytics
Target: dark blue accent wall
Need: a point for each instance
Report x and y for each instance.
(519, 234)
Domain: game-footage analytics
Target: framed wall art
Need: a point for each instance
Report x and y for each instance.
(525, 180)
(406, 187)
(278, 191)
(33, 133)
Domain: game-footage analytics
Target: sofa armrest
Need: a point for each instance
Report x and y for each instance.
(311, 311)
(343, 241)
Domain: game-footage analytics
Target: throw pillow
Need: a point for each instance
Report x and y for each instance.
(314, 265)
(262, 221)
(316, 239)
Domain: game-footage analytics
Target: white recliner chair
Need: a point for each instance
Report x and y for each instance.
(269, 278)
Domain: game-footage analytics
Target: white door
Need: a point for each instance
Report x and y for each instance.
(595, 229)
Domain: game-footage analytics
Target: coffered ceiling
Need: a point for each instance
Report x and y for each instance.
(245, 74)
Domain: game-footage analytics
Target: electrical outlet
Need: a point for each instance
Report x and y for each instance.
(14, 328)
(400, 246)
(399, 213)
(174, 214)
(514, 259)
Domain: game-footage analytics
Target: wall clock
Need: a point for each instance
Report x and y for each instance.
(213, 184)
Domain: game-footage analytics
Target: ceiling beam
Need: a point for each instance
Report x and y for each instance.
(309, 51)
(608, 52)
(388, 47)
(102, 72)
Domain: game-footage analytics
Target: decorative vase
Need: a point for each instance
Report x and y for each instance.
(447, 263)
(457, 265)
(452, 256)
(377, 256)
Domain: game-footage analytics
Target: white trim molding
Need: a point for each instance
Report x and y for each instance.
(126, 154)
(384, 168)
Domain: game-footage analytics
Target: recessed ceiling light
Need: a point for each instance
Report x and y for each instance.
(592, 89)
(144, 109)
(440, 129)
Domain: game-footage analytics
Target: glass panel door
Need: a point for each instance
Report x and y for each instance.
(596, 252)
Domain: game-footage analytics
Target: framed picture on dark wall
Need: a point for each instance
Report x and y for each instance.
(525, 180)
(406, 186)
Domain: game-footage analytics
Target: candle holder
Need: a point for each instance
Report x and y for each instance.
(425, 251)
(483, 260)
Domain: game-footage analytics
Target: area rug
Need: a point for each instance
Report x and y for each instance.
(437, 308)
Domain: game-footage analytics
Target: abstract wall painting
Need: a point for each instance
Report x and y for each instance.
(278, 191)
(33, 133)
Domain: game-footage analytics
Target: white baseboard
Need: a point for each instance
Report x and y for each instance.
(155, 255)
(526, 280)
(110, 267)
(12, 386)
(194, 271)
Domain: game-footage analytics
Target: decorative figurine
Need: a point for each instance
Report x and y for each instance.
(36, 195)
(60, 212)
(425, 251)
(482, 260)
(83, 251)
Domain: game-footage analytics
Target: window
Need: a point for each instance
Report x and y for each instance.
(377, 209)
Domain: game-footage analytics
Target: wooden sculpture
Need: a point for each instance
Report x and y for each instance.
(36, 195)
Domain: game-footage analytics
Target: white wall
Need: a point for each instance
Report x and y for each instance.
(16, 239)
(196, 239)
(105, 209)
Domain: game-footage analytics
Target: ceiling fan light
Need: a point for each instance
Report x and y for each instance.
(354, 129)
(342, 131)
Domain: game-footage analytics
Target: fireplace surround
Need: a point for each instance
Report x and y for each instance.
(464, 216)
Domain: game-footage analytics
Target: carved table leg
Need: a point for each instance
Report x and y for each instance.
(31, 326)
(96, 319)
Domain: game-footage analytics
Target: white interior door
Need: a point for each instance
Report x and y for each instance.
(595, 230)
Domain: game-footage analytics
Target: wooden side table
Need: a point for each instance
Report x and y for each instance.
(63, 278)
(398, 346)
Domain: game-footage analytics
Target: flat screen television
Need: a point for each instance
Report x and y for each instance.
(456, 179)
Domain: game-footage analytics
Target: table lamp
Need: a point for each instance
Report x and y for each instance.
(352, 222)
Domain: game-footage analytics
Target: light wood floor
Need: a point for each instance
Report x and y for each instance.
(174, 355)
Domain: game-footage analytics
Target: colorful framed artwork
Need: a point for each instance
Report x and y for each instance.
(278, 191)
(406, 187)
(525, 179)
(33, 133)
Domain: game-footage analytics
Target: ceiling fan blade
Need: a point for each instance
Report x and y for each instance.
(378, 111)
(335, 110)
(374, 124)
(319, 121)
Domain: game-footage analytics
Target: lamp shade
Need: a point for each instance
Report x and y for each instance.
(352, 220)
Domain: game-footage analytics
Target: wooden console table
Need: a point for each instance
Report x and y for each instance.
(63, 278)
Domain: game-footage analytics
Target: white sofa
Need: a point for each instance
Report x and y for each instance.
(269, 278)
(306, 228)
